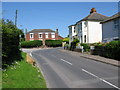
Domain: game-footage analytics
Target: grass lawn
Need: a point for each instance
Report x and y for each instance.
(22, 75)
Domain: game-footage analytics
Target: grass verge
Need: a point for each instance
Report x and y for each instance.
(22, 75)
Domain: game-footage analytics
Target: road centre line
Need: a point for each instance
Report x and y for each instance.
(101, 79)
(66, 61)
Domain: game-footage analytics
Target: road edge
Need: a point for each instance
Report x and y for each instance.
(107, 61)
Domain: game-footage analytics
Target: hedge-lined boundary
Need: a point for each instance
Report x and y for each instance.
(53, 43)
(10, 43)
(30, 44)
(109, 50)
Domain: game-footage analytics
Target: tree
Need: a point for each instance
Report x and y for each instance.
(10, 44)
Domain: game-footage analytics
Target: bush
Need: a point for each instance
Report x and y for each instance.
(53, 43)
(86, 47)
(30, 44)
(66, 46)
(113, 50)
(73, 44)
(109, 50)
(10, 44)
(66, 40)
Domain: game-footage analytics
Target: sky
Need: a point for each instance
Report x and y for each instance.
(53, 15)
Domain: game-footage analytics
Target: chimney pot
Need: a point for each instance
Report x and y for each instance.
(93, 10)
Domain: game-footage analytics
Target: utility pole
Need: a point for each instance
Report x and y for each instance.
(16, 17)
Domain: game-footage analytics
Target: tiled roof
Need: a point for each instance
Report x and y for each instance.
(94, 17)
(112, 17)
(41, 30)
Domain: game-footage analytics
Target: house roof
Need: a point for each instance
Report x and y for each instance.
(60, 37)
(117, 15)
(41, 30)
(71, 25)
(94, 16)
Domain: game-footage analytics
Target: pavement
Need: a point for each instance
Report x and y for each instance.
(65, 69)
(94, 57)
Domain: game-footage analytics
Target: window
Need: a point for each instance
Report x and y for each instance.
(31, 35)
(116, 23)
(40, 35)
(81, 26)
(74, 27)
(85, 38)
(46, 35)
(81, 39)
(85, 23)
(53, 35)
(74, 31)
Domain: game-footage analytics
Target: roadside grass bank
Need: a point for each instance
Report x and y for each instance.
(22, 75)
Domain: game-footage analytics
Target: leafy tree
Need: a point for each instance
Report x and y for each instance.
(10, 43)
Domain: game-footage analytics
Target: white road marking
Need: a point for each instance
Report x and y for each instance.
(100, 79)
(31, 53)
(66, 61)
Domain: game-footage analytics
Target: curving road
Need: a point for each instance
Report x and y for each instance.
(63, 70)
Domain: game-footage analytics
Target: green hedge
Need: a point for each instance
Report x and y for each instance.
(86, 46)
(73, 44)
(53, 43)
(10, 43)
(110, 50)
(30, 44)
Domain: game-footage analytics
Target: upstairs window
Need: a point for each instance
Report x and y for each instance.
(53, 35)
(40, 35)
(31, 35)
(116, 24)
(46, 35)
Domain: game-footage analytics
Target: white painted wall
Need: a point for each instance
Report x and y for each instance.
(71, 33)
(94, 32)
(109, 32)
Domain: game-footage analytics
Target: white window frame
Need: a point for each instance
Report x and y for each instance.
(116, 24)
(39, 35)
(52, 35)
(32, 35)
(46, 35)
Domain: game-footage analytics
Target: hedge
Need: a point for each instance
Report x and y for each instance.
(109, 50)
(30, 44)
(73, 44)
(86, 46)
(10, 43)
(53, 43)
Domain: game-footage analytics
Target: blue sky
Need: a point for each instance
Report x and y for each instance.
(52, 15)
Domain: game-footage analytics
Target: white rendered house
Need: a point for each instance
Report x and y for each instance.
(89, 29)
(72, 33)
(111, 28)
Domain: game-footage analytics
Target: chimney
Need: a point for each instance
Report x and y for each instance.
(57, 31)
(93, 10)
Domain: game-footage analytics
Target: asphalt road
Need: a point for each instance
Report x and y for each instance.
(63, 70)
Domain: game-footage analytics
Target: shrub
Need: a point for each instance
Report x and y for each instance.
(66, 46)
(10, 44)
(110, 50)
(53, 43)
(66, 40)
(73, 44)
(30, 44)
(86, 47)
(113, 50)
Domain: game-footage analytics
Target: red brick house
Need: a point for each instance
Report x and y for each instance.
(43, 34)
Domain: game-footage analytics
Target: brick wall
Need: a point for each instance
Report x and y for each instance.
(36, 37)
